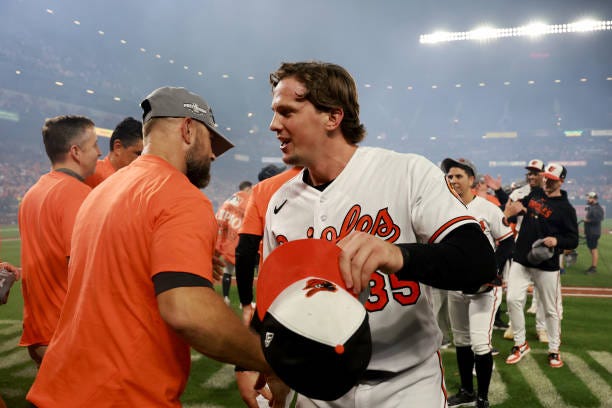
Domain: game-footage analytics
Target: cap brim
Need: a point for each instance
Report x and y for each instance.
(533, 168)
(448, 163)
(293, 261)
(219, 144)
(551, 176)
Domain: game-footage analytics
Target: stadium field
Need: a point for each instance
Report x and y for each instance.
(584, 381)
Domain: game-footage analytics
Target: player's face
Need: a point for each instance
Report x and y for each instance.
(535, 178)
(126, 155)
(460, 181)
(552, 187)
(298, 125)
(89, 152)
(199, 156)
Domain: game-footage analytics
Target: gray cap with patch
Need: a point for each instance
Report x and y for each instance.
(173, 102)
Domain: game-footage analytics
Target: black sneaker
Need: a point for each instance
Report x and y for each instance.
(482, 403)
(591, 270)
(462, 398)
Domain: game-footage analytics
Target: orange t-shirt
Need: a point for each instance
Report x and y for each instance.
(255, 214)
(46, 218)
(229, 217)
(104, 168)
(112, 347)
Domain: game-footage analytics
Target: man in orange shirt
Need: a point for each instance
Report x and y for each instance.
(46, 218)
(125, 147)
(251, 232)
(141, 272)
(229, 217)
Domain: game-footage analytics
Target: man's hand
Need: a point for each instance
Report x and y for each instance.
(247, 313)
(550, 242)
(513, 208)
(494, 184)
(218, 267)
(247, 381)
(363, 254)
(279, 390)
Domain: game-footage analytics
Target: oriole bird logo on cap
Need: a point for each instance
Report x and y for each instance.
(317, 285)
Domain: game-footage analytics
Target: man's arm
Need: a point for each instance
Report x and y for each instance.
(246, 259)
(200, 317)
(463, 260)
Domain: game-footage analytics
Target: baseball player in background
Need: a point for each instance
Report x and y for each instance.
(547, 216)
(125, 146)
(229, 217)
(535, 179)
(270, 179)
(395, 219)
(472, 315)
(46, 218)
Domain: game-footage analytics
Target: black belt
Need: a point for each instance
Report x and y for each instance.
(377, 375)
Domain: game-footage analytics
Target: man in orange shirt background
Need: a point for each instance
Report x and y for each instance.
(125, 146)
(229, 217)
(46, 218)
(141, 275)
(270, 178)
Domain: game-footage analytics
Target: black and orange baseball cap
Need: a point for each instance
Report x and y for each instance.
(555, 171)
(535, 165)
(315, 334)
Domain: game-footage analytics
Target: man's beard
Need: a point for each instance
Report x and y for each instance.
(198, 171)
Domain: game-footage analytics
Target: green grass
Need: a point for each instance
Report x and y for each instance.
(585, 381)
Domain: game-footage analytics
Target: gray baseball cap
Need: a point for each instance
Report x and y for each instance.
(464, 164)
(173, 102)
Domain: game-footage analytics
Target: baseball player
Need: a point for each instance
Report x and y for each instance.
(46, 218)
(535, 178)
(472, 315)
(125, 147)
(395, 219)
(548, 217)
(229, 217)
(251, 232)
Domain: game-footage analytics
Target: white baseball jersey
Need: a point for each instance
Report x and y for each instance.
(472, 315)
(491, 219)
(516, 195)
(401, 198)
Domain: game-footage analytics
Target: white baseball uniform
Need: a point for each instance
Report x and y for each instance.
(472, 316)
(401, 198)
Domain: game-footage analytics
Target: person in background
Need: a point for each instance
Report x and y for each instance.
(592, 228)
(270, 178)
(4, 292)
(229, 217)
(125, 147)
(549, 226)
(46, 219)
(470, 314)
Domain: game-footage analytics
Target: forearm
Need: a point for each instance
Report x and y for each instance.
(464, 260)
(246, 259)
(200, 317)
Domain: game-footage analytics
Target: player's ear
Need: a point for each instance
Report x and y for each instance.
(188, 131)
(334, 118)
(117, 144)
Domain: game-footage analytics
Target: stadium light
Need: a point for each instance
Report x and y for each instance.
(534, 29)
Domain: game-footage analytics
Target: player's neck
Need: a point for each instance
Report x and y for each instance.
(328, 168)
